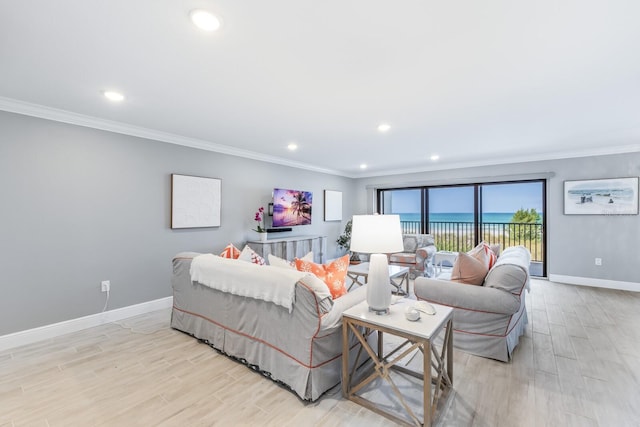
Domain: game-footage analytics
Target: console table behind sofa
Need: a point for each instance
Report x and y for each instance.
(292, 247)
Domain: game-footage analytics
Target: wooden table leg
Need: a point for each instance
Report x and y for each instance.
(346, 380)
(449, 344)
(426, 383)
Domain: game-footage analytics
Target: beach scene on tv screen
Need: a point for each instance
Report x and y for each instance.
(291, 207)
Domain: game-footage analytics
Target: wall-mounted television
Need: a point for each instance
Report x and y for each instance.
(291, 207)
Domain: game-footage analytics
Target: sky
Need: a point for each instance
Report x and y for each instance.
(495, 197)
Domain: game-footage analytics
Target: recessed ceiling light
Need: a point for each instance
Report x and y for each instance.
(292, 146)
(434, 157)
(113, 96)
(384, 127)
(204, 20)
(363, 166)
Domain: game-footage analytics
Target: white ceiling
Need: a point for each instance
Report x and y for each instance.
(477, 82)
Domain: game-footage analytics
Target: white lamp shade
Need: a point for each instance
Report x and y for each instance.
(376, 234)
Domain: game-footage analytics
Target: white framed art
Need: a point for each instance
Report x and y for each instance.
(195, 201)
(332, 205)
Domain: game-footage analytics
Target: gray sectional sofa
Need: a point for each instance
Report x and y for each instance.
(488, 320)
(300, 346)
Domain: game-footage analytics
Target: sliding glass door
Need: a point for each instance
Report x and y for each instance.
(513, 214)
(461, 216)
(408, 203)
(452, 217)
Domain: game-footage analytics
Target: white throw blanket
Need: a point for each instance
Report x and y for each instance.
(246, 279)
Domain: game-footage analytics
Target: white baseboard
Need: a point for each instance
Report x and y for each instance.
(29, 336)
(597, 283)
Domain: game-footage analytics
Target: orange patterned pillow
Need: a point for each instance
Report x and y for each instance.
(230, 252)
(333, 274)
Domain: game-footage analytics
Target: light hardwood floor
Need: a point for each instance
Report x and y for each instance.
(577, 365)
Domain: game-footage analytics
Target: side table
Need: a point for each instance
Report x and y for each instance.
(437, 369)
(359, 273)
(442, 256)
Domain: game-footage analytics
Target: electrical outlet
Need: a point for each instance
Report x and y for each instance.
(598, 261)
(106, 285)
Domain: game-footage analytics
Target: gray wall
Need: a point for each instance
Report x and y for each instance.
(81, 205)
(574, 241)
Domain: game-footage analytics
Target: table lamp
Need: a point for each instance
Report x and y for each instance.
(377, 235)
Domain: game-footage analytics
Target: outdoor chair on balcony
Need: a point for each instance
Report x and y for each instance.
(417, 254)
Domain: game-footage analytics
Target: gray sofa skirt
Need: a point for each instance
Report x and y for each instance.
(292, 348)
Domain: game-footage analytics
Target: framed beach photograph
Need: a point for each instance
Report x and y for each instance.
(195, 201)
(614, 196)
(291, 207)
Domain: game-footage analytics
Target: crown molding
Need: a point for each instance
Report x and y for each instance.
(558, 155)
(69, 117)
(64, 116)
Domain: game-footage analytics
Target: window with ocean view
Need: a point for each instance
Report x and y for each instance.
(451, 214)
(461, 216)
(408, 204)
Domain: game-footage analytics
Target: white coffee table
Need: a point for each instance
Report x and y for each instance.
(359, 273)
(437, 369)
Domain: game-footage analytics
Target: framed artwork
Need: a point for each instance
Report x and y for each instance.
(615, 196)
(332, 205)
(291, 207)
(195, 201)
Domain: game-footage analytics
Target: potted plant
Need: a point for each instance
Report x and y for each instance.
(259, 218)
(344, 241)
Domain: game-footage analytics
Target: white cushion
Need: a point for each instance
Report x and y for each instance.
(249, 255)
(283, 263)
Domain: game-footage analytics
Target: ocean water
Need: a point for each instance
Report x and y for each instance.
(459, 217)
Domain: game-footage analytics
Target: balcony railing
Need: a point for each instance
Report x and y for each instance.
(460, 236)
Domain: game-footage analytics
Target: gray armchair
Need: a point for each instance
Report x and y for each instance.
(489, 319)
(417, 254)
